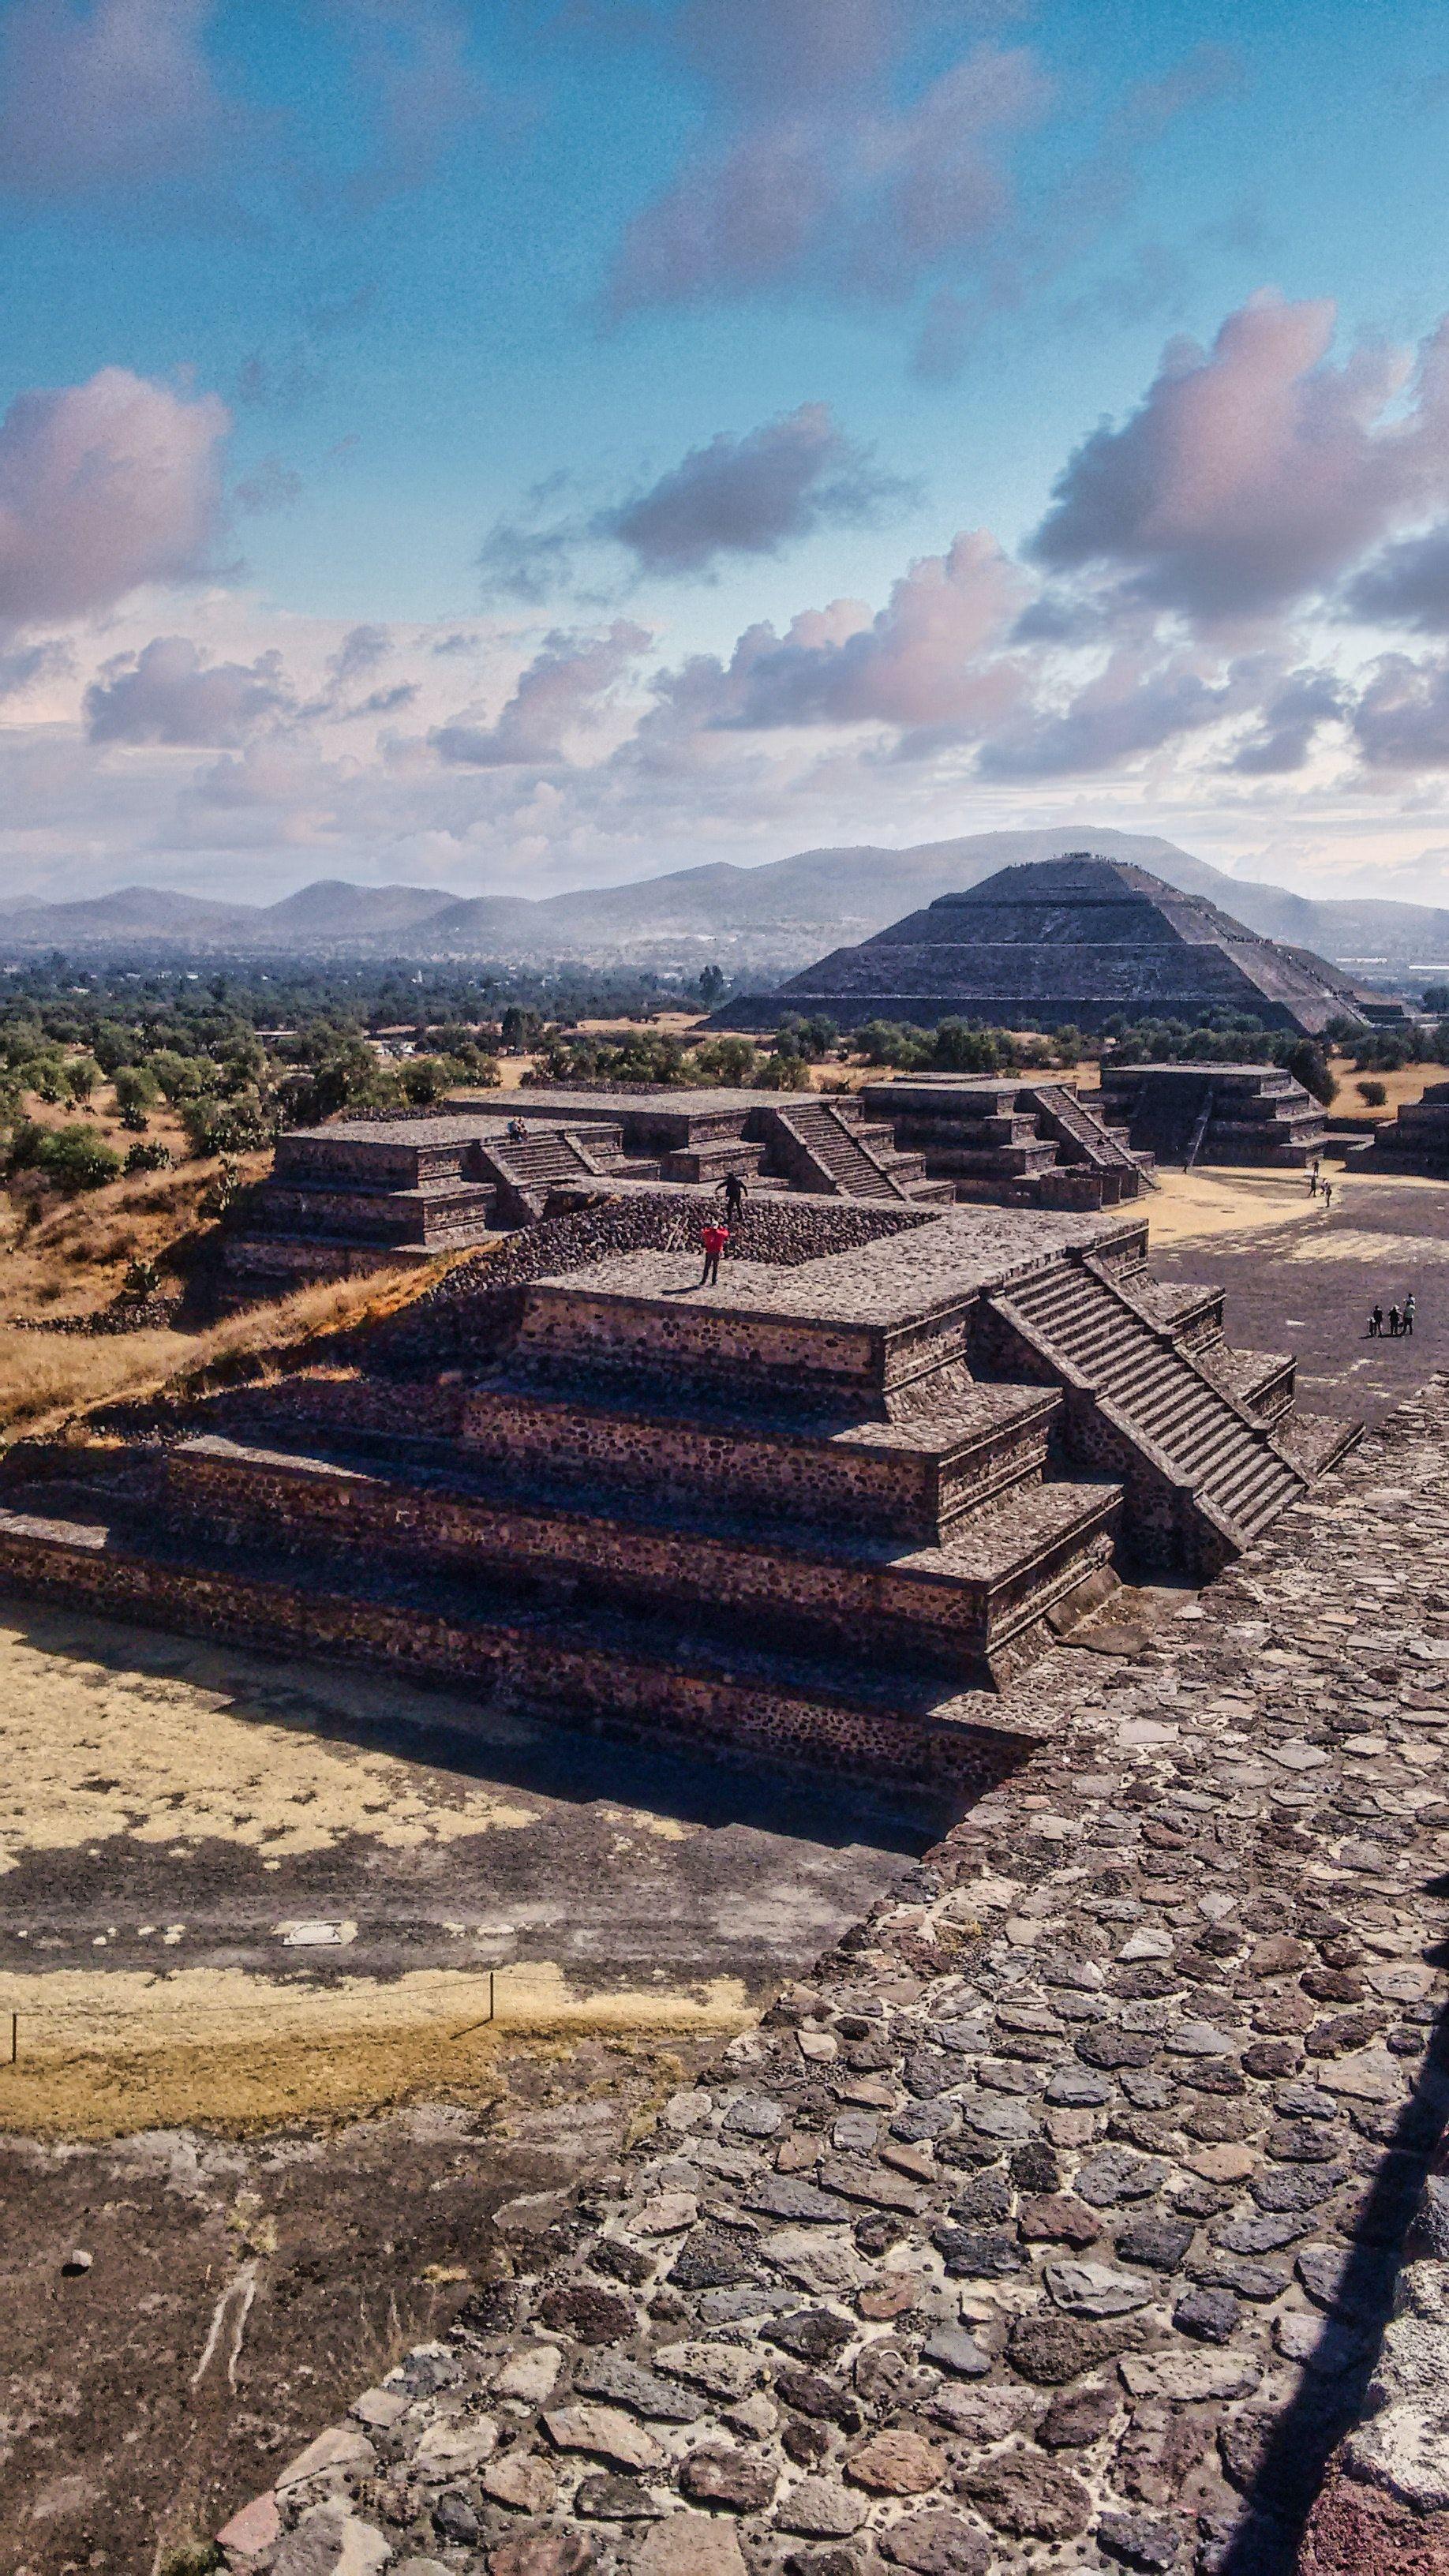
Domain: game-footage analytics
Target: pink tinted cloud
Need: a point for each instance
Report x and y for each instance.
(928, 658)
(562, 692)
(1256, 472)
(167, 693)
(104, 486)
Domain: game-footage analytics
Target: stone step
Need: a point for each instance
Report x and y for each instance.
(989, 1162)
(436, 1212)
(1156, 1389)
(654, 1678)
(951, 1605)
(910, 1479)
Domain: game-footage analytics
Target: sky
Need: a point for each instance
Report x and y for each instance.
(509, 445)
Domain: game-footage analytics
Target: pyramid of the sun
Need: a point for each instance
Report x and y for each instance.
(1073, 940)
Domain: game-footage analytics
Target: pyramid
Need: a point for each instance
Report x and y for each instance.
(1068, 941)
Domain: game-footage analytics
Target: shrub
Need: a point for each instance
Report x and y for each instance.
(783, 1072)
(151, 1157)
(82, 1074)
(228, 1126)
(886, 1042)
(1373, 1093)
(424, 1079)
(75, 1159)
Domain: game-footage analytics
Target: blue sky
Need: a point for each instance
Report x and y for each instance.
(798, 421)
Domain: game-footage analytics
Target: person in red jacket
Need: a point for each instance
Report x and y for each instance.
(714, 1238)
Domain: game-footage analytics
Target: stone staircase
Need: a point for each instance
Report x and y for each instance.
(1088, 1141)
(528, 1167)
(1025, 1142)
(838, 1153)
(1207, 1469)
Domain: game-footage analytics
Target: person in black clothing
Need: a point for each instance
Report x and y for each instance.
(1376, 1324)
(1393, 1323)
(734, 1195)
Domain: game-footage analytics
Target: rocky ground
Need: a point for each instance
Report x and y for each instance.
(1054, 2220)
(245, 1899)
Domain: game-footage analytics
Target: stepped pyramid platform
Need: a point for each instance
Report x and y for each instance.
(1215, 1113)
(364, 1193)
(823, 1508)
(1073, 941)
(1417, 1139)
(1029, 1142)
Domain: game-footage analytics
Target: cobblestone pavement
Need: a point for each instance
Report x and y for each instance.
(1053, 2222)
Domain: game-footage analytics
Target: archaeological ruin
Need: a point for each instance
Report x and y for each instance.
(1075, 941)
(1215, 1113)
(1416, 1138)
(823, 1508)
(366, 1194)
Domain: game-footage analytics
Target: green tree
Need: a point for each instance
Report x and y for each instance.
(710, 986)
(1308, 1064)
(727, 1061)
(229, 1126)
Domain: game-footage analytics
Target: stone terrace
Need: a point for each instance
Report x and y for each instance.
(1053, 2222)
(820, 1510)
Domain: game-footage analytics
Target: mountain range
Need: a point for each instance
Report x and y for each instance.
(757, 921)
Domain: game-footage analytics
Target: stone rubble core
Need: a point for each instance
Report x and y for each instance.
(1052, 2222)
(827, 1506)
(1075, 941)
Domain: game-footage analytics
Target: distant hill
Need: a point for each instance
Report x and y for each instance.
(762, 921)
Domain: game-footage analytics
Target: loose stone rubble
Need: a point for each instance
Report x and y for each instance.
(1054, 2221)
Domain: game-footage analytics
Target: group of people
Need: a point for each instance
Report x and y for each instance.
(1400, 1320)
(1318, 1186)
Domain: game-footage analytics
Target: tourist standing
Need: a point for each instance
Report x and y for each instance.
(1376, 1325)
(1393, 1323)
(1409, 1313)
(714, 1237)
(734, 1195)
